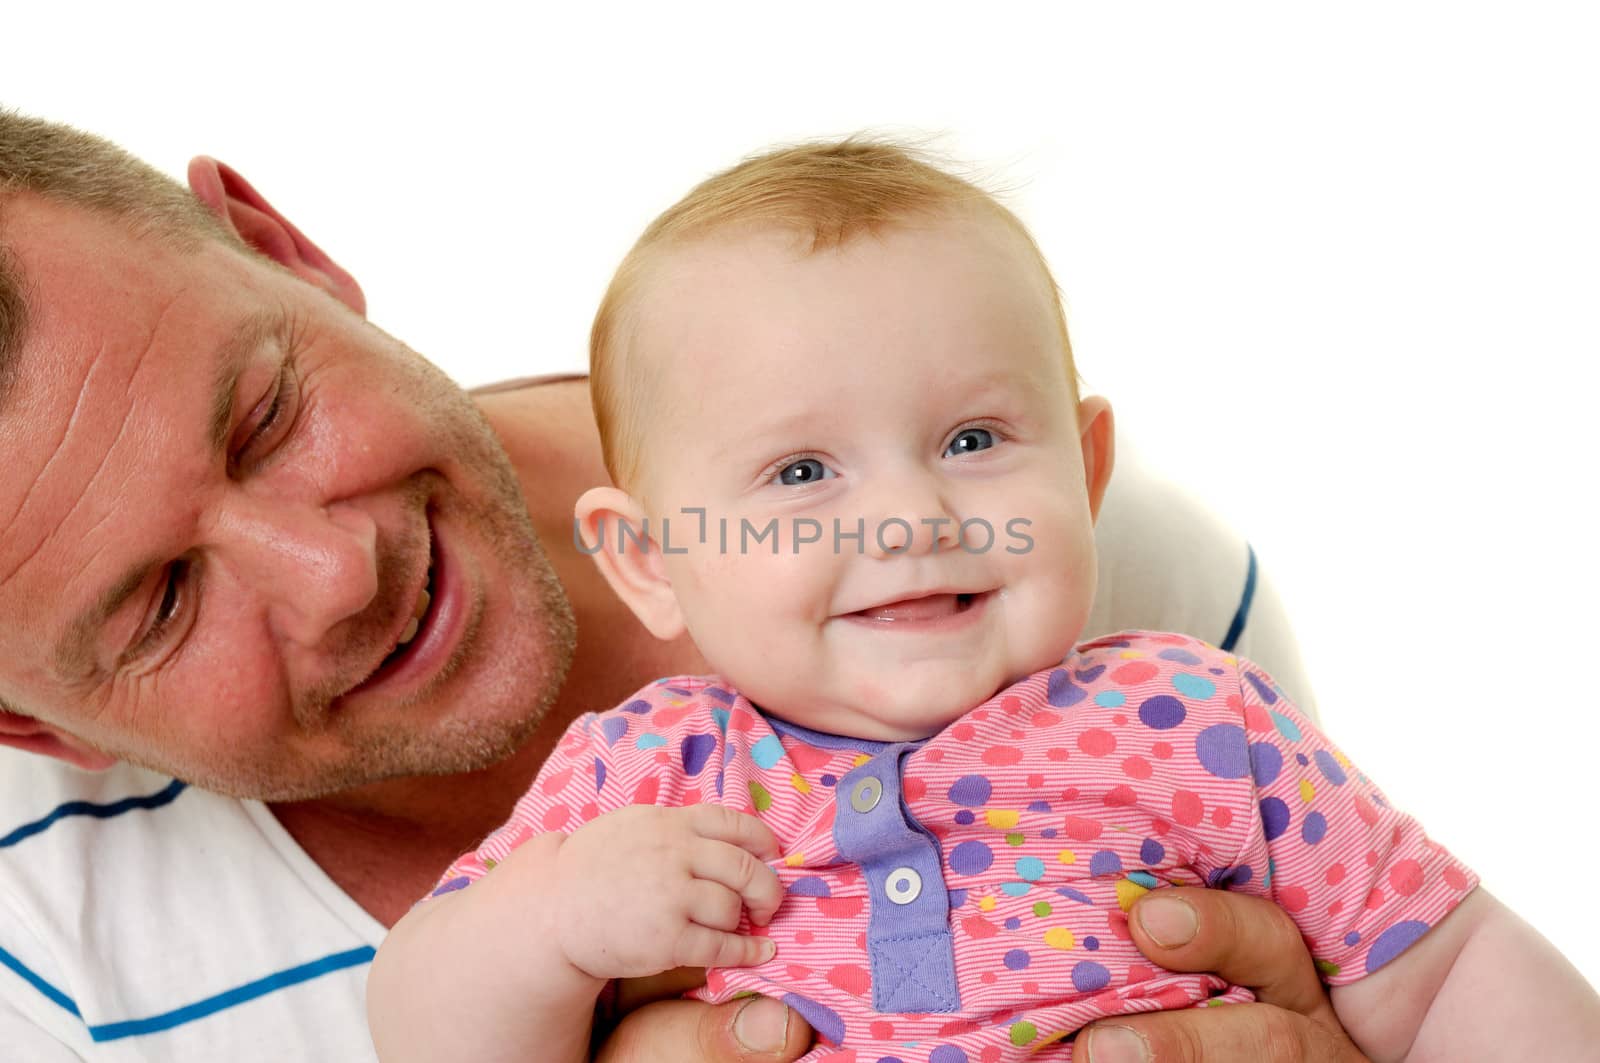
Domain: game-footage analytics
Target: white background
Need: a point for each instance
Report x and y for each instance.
(1337, 269)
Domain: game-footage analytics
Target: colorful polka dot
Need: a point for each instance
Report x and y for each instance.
(1061, 691)
(1105, 862)
(971, 858)
(1194, 687)
(1268, 695)
(971, 790)
(1405, 877)
(1221, 749)
(1097, 742)
(767, 751)
(1162, 712)
(1266, 761)
(1274, 817)
(1090, 977)
(1393, 941)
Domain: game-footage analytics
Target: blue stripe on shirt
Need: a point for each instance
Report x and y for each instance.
(55, 995)
(1242, 614)
(114, 1031)
(89, 808)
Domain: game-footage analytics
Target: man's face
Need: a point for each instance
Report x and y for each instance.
(224, 499)
(913, 376)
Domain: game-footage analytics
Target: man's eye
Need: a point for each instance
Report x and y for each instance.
(279, 413)
(804, 471)
(174, 597)
(969, 441)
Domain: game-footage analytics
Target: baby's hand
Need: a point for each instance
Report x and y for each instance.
(645, 889)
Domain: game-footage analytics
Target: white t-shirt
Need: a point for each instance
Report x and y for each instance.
(141, 919)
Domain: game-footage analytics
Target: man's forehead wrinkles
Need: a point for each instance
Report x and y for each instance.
(88, 385)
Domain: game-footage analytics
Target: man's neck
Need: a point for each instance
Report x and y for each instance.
(386, 844)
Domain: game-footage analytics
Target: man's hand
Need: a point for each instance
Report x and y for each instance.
(757, 1030)
(1248, 941)
(644, 889)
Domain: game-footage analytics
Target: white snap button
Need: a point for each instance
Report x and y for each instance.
(903, 886)
(866, 794)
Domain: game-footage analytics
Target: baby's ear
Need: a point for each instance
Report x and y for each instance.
(614, 531)
(1097, 439)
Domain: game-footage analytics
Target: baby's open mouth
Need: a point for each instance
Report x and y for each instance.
(925, 607)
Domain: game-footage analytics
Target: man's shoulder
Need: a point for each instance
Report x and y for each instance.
(36, 792)
(134, 904)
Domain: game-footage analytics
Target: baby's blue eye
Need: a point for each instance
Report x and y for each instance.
(804, 471)
(973, 439)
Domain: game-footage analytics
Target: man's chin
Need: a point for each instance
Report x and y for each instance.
(376, 762)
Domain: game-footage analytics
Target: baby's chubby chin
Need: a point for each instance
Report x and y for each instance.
(908, 708)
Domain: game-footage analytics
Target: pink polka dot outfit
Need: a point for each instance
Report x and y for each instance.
(963, 899)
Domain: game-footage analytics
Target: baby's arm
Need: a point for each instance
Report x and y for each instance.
(510, 968)
(1480, 985)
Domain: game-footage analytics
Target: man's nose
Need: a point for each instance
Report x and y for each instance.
(912, 515)
(314, 566)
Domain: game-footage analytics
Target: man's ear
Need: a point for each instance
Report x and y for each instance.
(244, 210)
(36, 736)
(1097, 439)
(612, 531)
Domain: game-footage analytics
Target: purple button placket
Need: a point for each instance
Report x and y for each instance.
(909, 944)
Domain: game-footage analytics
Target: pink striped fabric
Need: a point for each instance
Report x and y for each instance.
(1143, 760)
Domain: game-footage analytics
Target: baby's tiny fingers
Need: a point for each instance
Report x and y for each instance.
(714, 905)
(727, 865)
(725, 825)
(701, 946)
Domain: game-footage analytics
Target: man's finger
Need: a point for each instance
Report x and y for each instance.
(725, 825)
(757, 1030)
(1231, 1033)
(1248, 940)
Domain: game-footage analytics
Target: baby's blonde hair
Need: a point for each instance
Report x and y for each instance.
(826, 193)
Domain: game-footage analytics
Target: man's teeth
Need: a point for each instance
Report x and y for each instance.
(423, 601)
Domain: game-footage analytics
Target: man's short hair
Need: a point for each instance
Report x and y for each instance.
(67, 165)
(827, 194)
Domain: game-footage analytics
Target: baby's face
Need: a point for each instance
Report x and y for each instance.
(913, 377)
